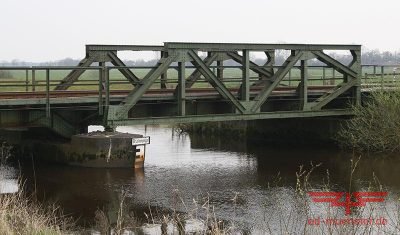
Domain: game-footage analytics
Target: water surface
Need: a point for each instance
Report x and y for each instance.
(197, 169)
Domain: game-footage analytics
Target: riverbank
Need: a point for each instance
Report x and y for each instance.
(21, 214)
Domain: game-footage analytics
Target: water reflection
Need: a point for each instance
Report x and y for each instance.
(202, 168)
(8, 180)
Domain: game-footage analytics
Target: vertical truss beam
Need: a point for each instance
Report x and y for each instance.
(355, 65)
(220, 69)
(215, 82)
(101, 86)
(245, 87)
(164, 76)
(303, 86)
(181, 89)
(277, 78)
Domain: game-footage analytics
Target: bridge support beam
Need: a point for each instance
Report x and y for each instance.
(181, 89)
(304, 86)
(239, 96)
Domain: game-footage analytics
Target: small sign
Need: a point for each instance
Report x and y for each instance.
(141, 141)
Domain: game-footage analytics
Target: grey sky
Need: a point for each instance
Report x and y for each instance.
(44, 30)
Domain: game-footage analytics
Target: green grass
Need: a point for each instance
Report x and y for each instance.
(88, 80)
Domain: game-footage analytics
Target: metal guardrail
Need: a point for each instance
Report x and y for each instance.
(103, 81)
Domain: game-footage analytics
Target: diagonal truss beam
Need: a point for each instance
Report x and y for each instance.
(253, 66)
(134, 96)
(334, 63)
(328, 97)
(74, 74)
(196, 73)
(277, 78)
(126, 72)
(215, 82)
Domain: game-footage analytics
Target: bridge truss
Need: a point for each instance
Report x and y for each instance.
(196, 82)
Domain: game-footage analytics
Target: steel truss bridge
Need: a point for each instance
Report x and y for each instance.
(191, 82)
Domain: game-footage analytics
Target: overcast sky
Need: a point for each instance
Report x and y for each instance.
(44, 30)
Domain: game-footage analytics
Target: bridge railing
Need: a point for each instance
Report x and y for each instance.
(39, 82)
(381, 76)
(33, 78)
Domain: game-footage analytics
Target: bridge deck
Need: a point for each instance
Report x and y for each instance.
(91, 96)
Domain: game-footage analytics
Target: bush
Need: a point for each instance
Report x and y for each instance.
(376, 125)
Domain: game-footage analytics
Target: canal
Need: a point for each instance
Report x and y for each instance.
(240, 182)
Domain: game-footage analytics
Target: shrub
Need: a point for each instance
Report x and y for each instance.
(376, 125)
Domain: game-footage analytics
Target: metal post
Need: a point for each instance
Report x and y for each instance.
(101, 87)
(323, 76)
(164, 76)
(304, 85)
(290, 76)
(26, 79)
(181, 90)
(245, 91)
(33, 79)
(107, 101)
(220, 69)
(333, 80)
(374, 70)
(47, 93)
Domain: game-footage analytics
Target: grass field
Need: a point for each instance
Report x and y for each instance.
(21, 80)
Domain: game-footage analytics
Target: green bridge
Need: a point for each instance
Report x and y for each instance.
(191, 82)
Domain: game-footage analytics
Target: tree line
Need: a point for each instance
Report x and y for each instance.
(371, 57)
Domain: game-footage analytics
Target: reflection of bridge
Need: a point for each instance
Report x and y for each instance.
(184, 86)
